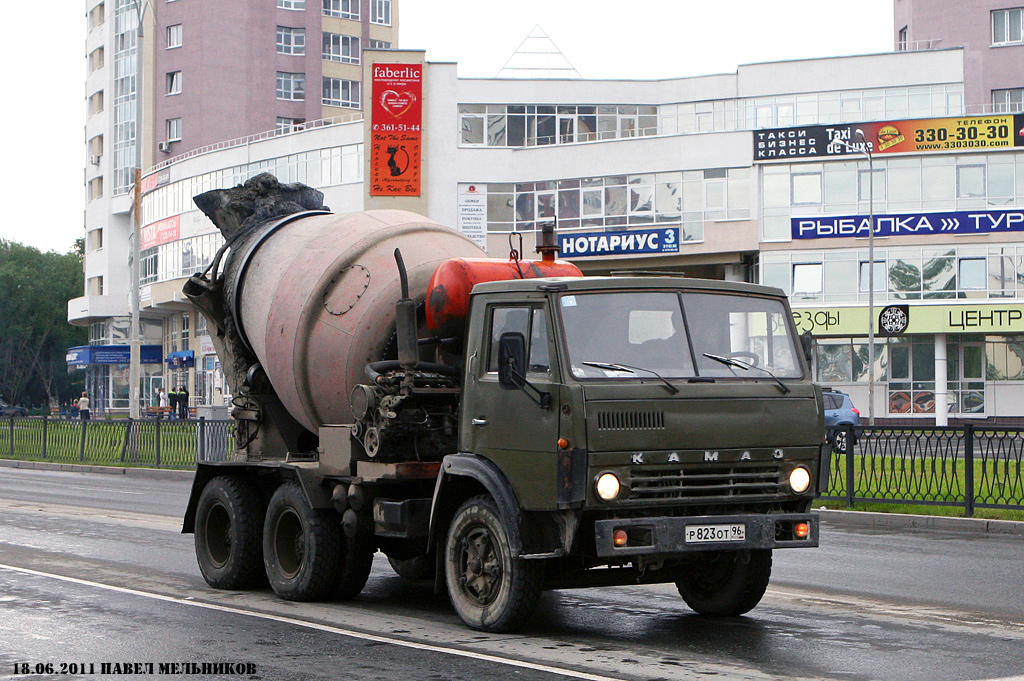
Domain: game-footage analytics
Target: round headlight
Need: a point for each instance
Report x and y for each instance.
(799, 480)
(607, 487)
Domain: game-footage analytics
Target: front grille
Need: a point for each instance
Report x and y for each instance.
(630, 420)
(704, 482)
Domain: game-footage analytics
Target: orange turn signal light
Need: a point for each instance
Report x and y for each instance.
(802, 530)
(619, 537)
(563, 443)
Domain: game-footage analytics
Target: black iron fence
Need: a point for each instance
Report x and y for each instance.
(966, 466)
(146, 442)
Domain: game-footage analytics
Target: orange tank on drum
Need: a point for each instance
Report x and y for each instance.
(449, 288)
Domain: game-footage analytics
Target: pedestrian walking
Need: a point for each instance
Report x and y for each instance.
(83, 406)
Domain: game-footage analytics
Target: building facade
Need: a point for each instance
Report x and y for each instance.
(991, 34)
(172, 78)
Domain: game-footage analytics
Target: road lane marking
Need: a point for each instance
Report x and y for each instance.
(483, 657)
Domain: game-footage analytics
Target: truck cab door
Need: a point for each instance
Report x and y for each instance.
(507, 426)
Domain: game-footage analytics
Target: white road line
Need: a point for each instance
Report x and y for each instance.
(568, 673)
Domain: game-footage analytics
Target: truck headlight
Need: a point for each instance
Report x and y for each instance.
(799, 480)
(607, 487)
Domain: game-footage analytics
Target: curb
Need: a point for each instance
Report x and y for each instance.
(895, 521)
(158, 473)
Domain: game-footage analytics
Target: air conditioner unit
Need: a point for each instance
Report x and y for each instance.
(95, 160)
(163, 146)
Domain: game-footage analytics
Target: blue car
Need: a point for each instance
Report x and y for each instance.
(839, 409)
(7, 410)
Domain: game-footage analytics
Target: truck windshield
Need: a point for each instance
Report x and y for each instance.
(669, 333)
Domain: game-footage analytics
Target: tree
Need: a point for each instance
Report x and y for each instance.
(34, 332)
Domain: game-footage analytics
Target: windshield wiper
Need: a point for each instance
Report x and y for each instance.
(631, 369)
(730, 362)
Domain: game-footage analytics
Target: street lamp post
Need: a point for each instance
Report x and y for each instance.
(866, 149)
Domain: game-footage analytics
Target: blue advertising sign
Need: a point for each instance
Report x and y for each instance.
(634, 241)
(84, 355)
(906, 224)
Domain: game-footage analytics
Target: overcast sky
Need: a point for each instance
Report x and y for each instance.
(43, 115)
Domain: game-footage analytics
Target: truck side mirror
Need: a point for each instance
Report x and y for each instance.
(512, 360)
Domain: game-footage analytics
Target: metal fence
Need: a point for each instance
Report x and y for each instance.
(129, 442)
(966, 466)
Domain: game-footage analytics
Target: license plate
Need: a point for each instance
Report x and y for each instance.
(699, 534)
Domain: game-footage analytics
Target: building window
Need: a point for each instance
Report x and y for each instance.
(174, 83)
(972, 274)
(1008, 26)
(291, 86)
(96, 103)
(174, 35)
(806, 188)
(1008, 101)
(96, 59)
(173, 129)
(901, 40)
(344, 9)
(96, 16)
(380, 12)
(94, 240)
(378, 44)
(970, 181)
(341, 48)
(291, 40)
(291, 4)
(879, 279)
(96, 188)
(286, 125)
(338, 92)
(96, 147)
(95, 286)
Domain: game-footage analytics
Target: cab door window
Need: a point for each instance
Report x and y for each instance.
(528, 321)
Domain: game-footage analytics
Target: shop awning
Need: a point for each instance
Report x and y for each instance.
(184, 358)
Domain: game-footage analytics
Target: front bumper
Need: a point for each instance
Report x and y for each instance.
(668, 535)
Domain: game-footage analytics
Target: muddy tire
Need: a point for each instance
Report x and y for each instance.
(726, 583)
(355, 565)
(302, 547)
(489, 589)
(229, 534)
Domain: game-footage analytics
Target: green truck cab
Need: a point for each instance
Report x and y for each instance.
(643, 430)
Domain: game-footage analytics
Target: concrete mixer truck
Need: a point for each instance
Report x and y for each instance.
(499, 426)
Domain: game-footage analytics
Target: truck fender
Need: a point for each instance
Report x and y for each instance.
(462, 476)
(205, 472)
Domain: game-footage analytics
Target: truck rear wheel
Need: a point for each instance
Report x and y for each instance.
(490, 590)
(726, 583)
(228, 534)
(302, 547)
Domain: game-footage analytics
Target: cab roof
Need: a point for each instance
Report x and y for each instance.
(605, 283)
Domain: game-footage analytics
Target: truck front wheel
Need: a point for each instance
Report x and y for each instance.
(726, 583)
(302, 547)
(228, 534)
(490, 590)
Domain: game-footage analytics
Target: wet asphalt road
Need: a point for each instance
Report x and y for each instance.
(93, 570)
